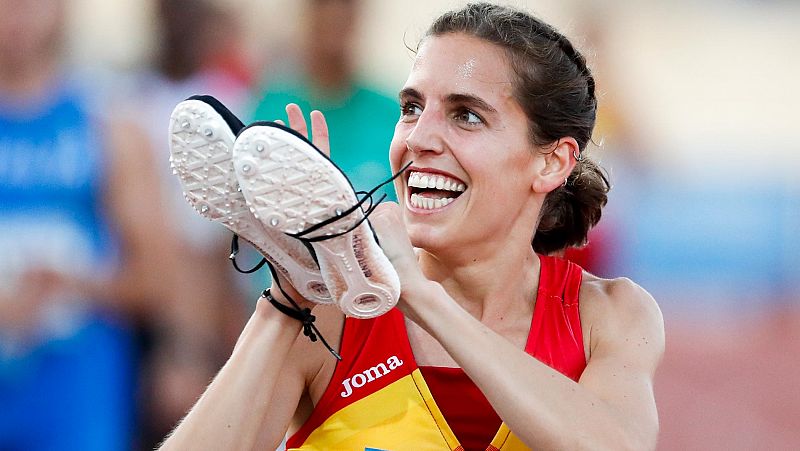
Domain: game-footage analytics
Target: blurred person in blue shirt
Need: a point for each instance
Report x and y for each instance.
(81, 252)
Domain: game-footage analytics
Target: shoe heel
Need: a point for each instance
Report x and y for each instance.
(345, 264)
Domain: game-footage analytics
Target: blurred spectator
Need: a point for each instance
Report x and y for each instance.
(81, 249)
(361, 120)
(198, 53)
(617, 146)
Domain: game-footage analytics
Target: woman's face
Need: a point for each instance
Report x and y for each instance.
(473, 163)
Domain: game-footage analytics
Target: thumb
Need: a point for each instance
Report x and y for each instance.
(393, 237)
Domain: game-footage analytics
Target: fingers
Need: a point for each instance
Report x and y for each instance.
(296, 119)
(319, 130)
(319, 126)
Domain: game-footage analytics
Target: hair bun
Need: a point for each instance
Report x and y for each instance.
(570, 211)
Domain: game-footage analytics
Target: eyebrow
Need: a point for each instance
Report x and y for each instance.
(467, 99)
(410, 92)
(472, 100)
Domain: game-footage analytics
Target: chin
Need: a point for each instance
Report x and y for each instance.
(427, 237)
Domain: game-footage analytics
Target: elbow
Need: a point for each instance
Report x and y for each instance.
(639, 434)
(623, 439)
(631, 440)
(616, 444)
(612, 441)
(634, 444)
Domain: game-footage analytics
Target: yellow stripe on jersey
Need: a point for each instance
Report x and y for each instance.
(400, 417)
(395, 418)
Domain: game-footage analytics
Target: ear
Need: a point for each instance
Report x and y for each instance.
(558, 161)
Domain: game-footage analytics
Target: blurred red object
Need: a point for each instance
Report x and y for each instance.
(732, 383)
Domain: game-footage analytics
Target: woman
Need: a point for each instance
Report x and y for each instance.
(496, 114)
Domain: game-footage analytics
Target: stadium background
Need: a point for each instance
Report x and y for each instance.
(699, 103)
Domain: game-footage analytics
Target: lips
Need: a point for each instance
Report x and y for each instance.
(431, 191)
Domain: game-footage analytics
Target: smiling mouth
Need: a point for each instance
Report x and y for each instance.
(433, 191)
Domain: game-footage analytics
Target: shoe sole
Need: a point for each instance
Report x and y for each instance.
(201, 144)
(291, 186)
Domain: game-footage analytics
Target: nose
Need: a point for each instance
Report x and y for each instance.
(428, 133)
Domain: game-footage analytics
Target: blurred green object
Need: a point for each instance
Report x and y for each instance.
(360, 120)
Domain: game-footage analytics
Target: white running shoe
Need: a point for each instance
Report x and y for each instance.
(202, 133)
(294, 188)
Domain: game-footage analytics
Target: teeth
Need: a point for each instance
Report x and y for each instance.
(429, 203)
(421, 180)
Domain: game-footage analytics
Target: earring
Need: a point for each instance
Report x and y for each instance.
(578, 155)
(565, 181)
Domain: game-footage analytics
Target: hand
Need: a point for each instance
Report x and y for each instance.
(21, 306)
(415, 288)
(319, 126)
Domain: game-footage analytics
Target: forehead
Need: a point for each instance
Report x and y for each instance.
(457, 62)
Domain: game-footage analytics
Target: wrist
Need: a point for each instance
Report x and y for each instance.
(422, 300)
(266, 313)
(283, 291)
(290, 309)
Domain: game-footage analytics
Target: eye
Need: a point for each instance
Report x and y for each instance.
(468, 117)
(409, 110)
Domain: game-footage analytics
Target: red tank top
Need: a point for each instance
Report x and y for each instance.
(463, 405)
(555, 338)
(469, 414)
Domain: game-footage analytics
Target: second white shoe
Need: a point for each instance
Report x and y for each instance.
(201, 137)
(294, 188)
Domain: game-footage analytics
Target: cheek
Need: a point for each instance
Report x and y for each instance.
(501, 172)
(398, 149)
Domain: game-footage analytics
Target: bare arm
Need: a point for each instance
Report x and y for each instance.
(239, 408)
(612, 407)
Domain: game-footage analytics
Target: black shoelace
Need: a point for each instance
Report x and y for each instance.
(372, 205)
(365, 195)
(296, 312)
(235, 251)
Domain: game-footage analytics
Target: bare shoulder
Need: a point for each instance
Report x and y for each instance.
(621, 297)
(620, 312)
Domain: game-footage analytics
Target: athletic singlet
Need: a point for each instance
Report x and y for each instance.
(377, 398)
(471, 417)
(72, 387)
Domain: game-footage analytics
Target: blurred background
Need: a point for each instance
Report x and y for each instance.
(117, 304)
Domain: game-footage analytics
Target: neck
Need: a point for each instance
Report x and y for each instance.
(27, 80)
(329, 74)
(495, 274)
(490, 285)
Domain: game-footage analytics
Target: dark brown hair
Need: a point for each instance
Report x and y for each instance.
(556, 90)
